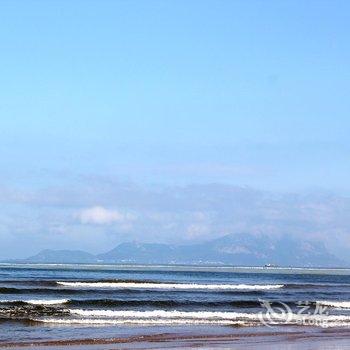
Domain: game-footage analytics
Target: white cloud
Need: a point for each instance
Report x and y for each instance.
(101, 216)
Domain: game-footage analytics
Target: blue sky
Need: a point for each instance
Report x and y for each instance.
(244, 93)
(257, 89)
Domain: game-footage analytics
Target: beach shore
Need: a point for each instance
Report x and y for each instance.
(290, 338)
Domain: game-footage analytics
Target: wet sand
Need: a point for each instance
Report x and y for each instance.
(289, 338)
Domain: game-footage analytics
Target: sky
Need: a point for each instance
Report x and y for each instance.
(111, 111)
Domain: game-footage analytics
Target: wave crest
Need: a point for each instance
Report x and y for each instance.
(178, 286)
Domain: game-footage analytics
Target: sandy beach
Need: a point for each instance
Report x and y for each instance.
(257, 338)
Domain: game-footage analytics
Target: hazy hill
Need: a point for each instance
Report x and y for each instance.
(62, 256)
(139, 252)
(242, 249)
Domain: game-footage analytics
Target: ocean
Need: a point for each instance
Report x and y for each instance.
(52, 302)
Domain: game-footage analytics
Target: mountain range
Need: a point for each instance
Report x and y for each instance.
(232, 249)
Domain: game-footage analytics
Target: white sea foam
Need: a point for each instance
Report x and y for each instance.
(156, 314)
(109, 317)
(175, 316)
(181, 286)
(151, 322)
(146, 322)
(336, 304)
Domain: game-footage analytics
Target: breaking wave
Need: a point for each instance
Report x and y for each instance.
(194, 317)
(176, 286)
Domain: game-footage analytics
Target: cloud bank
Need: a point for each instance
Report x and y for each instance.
(97, 213)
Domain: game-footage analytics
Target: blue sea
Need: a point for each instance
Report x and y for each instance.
(51, 302)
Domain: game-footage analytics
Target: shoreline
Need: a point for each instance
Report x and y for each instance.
(291, 337)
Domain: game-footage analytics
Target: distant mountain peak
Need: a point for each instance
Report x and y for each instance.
(61, 256)
(233, 249)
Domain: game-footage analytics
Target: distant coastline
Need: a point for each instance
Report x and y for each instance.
(230, 250)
